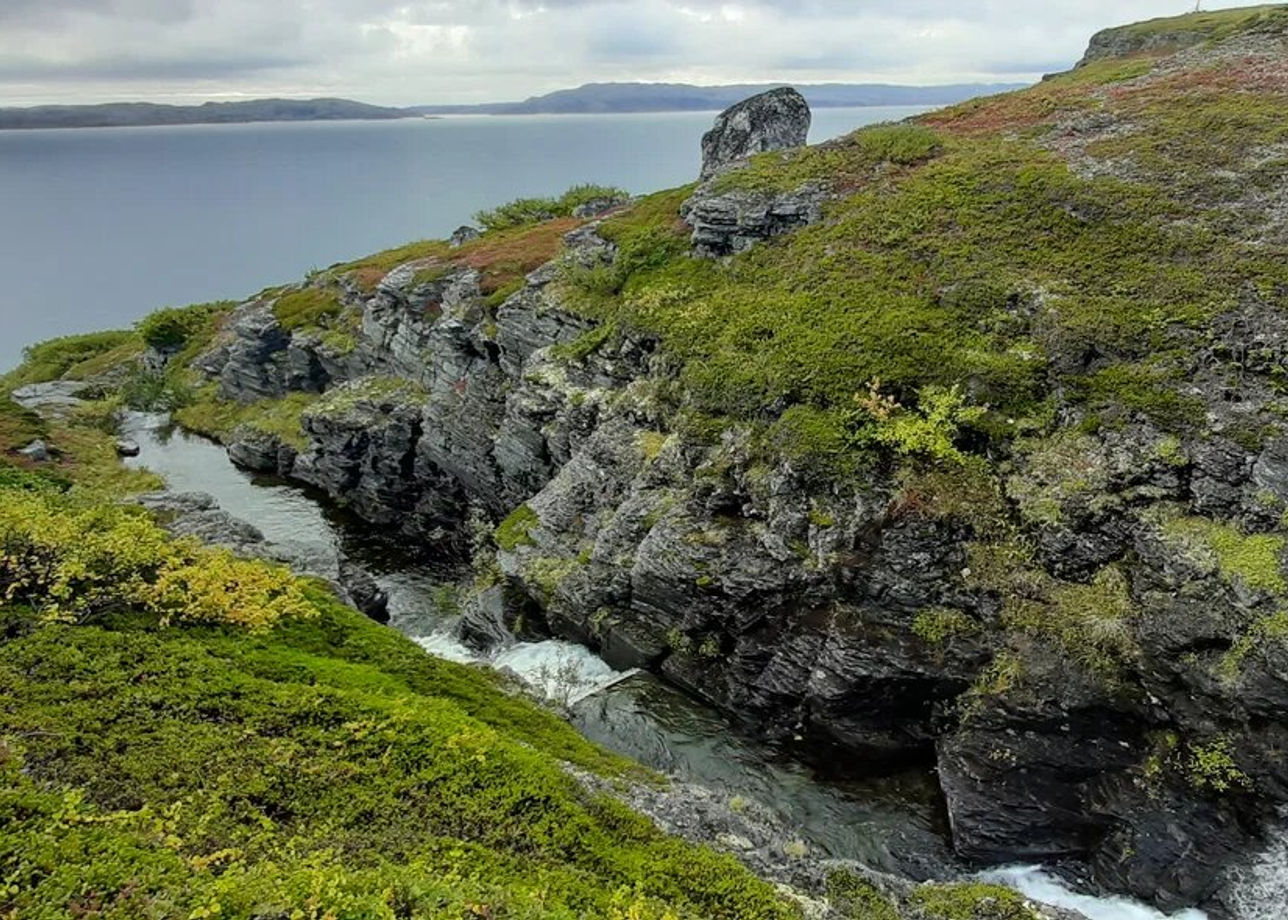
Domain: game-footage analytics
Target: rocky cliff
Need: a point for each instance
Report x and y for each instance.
(957, 443)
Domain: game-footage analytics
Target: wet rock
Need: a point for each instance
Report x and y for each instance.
(37, 451)
(127, 447)
(499, 614)
(363, 591)
(597, 206)
(261, 451)
(776, 120)
(198, 515)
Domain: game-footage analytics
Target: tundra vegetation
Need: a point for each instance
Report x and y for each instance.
(997, 297)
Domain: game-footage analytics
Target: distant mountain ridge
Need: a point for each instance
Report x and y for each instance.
(133, 114)
(592, 98)
(602, 98)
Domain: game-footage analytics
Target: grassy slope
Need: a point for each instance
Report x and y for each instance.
(329, 767)
(982, 259)
(326, 767)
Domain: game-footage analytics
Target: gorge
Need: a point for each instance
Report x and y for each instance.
(953, 448)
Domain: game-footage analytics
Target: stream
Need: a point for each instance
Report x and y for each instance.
(894, 824)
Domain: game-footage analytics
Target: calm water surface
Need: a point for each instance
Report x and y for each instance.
(101, 226)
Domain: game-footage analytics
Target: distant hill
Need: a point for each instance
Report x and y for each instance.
(127, 114)
(593, 98)
(681, 97)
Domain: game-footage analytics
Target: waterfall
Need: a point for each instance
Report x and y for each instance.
(1258, 889)
(1033, 882)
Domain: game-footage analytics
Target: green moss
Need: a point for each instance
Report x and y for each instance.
(964, 492)
(585, 344)
(858, 899)
(940, 625)
(651, 444)
(369, 391)
(514, 531)
(1004, 674)
(547, 573)
(1122, 390)
(307, 307)
(1092, 623)
(972, 901)
(1063, 468)
(219, 419)
(1269, 629)
(1254, 561)
(820, 518)
(1172, 452)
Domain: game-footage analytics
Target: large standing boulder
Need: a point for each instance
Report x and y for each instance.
(776, 120)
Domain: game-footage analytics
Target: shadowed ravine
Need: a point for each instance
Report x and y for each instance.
(891, 823)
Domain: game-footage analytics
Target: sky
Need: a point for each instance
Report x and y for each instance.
(404, 52)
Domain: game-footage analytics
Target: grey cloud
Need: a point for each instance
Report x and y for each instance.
(407, 51)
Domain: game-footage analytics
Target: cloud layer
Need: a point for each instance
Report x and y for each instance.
(420, 51)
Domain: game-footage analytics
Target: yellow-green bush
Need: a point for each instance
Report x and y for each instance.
(72, 559)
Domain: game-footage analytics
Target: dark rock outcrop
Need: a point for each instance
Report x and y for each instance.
(261, 452)
(734, 220)
(776, 120)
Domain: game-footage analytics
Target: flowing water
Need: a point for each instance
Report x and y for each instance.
(894, 823)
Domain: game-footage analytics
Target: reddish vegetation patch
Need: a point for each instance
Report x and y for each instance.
(1010, 113)
(368, 277)
(1256, 74)
(506, 256)
(502, 257)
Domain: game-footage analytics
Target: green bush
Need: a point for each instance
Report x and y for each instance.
(904, 144)
(523, 211)
(71, 557)
(170, 329)
(52, 359)
(148, 391)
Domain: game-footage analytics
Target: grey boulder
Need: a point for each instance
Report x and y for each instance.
(36, 451)
(776, 120)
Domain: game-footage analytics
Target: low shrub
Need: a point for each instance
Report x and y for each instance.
(52, 359)
(524, 211)
(74, 558)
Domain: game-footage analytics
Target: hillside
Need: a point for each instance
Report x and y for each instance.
(136, 114)
(598, 98)
(957, 443)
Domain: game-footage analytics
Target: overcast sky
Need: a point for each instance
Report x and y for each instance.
(401, 52)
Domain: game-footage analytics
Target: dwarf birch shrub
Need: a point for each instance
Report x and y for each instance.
(71, 560)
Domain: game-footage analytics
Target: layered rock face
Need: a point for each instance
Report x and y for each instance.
(855, 614)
